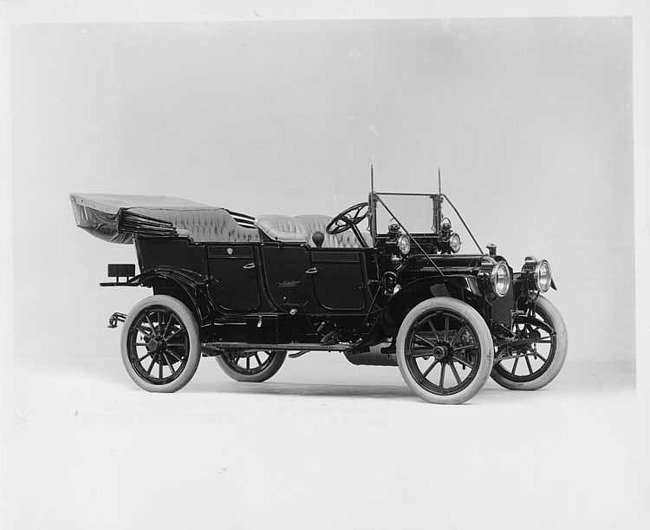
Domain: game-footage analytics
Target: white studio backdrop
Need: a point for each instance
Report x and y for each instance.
(530, 121)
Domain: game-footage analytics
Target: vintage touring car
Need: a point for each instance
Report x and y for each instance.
(249, 290)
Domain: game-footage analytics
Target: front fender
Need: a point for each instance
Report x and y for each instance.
(462, 287)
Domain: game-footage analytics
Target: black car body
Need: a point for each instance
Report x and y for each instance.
(249, 290)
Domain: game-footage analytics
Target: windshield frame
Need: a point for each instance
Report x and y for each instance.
(375, 197)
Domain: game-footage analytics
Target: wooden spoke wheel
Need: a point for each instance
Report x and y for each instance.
(444, 350)
(251, 366)
(536, 354)
(160, 344)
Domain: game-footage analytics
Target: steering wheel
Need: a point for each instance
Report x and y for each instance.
(348, 219)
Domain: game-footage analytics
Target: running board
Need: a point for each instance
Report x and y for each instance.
(288, 346)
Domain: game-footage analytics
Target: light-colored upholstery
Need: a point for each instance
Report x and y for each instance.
(301, 228)
(282, 228)
(202, 225)
(318, 223)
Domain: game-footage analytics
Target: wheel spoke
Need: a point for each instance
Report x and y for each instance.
(447, 327)
(160, 314)
(521, 355)
(428, 370)
(169, 364)
(173, 333)
(153, 361)
(160, 369)
(146, 315)
(454, 371)
(140, 343)
(442, 374)
(421, 338)
(169, 320)
(537, 354)
(145, 332)
(140, 359)
(257, 358)
(459, 333)
(530, 368)
(464, 363)
(179, 359)
(248, 363)
(514, 366)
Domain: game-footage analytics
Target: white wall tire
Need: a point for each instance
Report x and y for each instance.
(160, 344)
(438, 339)
(530, 371)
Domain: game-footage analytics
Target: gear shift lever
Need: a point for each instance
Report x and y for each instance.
(318, 238)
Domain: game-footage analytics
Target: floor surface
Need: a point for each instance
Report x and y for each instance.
(323, 445)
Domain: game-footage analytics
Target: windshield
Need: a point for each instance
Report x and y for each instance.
(416, 213)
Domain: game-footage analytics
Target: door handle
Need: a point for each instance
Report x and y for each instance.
(250, 265)
(311, 270)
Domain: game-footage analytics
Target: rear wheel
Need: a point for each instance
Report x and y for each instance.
(160, 344)
(538, 351)
(444, 350)
(251, 366)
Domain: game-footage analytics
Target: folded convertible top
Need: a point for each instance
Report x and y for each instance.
(117, 218)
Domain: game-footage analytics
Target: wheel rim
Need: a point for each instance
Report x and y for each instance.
(442, 352)
(249, 362)
(158, 345)
(529, 360)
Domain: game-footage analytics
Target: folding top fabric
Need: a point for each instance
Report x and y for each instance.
(117, 218)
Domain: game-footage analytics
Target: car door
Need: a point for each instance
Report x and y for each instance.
(288, 276)
(234, 277)
(340, 279)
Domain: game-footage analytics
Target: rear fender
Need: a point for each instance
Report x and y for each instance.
(188, 286)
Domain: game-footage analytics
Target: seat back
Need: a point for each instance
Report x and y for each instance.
(215, 225)
(300, 228)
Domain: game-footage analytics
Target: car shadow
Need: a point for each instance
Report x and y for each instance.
(304, 389)
(490, 392)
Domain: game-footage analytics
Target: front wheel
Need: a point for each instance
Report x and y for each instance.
(160, 344)
(444, 350)
(536, 355)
